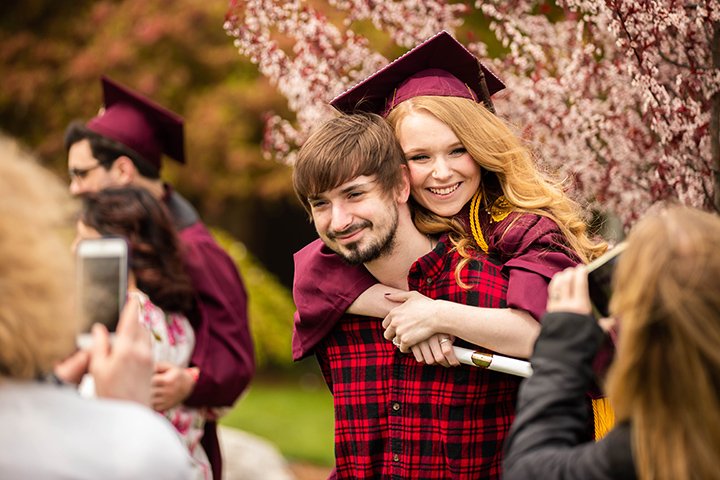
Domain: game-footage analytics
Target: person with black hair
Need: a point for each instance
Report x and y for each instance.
(124, 145)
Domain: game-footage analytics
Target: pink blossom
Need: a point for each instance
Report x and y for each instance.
(614, 95)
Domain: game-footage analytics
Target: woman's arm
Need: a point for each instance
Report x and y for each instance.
(373, 302)
(503, 330)
(412, 318)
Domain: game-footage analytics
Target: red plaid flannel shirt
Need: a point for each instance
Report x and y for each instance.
(397, 418)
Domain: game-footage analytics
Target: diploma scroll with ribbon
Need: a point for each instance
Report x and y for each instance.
(493, 361)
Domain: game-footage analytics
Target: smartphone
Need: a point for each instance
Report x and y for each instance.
(600, 275)
(102, 271)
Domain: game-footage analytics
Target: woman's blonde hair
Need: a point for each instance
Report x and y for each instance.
(666, 378)
(507, 168)
(37, 324)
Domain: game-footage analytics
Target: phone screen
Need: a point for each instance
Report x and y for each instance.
(102, 277)
(600, 277)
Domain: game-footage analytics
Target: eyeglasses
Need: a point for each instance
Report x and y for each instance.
(81, 173)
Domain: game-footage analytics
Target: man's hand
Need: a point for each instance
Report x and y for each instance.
(170, 386)
(123, 372)
(436, 350)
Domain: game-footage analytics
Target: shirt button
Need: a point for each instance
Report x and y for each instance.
(428, 280)
(396, 406)
(396, 458)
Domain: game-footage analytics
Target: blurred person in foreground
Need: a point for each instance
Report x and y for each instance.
(665, 380)
(123, 145)
(49, 431)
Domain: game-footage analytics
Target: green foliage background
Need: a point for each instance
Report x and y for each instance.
(270, 306)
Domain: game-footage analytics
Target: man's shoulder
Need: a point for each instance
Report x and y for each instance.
(181, 211)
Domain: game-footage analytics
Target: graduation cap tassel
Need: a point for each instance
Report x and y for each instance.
(484, 90)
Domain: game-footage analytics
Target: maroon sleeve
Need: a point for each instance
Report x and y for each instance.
(223, 345)
(533, 250)
(324, 286)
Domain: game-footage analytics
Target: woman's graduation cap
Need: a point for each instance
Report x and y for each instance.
(440, 66)
(139, 123)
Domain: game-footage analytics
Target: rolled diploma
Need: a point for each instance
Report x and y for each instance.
(493, 361)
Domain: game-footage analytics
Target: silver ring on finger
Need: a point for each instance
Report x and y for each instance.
(396, 342)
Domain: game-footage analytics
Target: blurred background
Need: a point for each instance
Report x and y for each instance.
(52, 53)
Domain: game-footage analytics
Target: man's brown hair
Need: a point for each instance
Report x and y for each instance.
(344, 148)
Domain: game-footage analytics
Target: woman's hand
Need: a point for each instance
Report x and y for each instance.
(170, 386)
(568, 292)
(412, 321)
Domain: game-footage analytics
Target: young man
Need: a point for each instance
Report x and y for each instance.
(396, 417)
(121, 146)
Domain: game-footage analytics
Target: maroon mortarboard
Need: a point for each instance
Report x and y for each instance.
(440, 66)
(139, 123)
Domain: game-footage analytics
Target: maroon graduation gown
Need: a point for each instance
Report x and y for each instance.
(223, 345)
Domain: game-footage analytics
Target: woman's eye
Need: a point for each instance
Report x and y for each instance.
(458, 151)
(418, 158)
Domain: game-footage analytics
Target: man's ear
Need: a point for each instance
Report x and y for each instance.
(403, 190)
(124, 171)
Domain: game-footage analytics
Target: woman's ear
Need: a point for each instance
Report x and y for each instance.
(403, 190)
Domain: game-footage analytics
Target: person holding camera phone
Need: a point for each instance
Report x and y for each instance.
(123, 145)
(157, 280)
(665, 380)
(49, 431)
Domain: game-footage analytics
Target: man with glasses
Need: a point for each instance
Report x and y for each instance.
(122, 146)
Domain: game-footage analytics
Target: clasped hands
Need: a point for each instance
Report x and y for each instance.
(413, 326)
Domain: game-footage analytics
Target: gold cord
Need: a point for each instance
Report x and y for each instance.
(475, 221)
(604, 417)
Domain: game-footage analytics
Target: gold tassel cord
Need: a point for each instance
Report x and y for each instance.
(475, 222)
(498, 212)
(604, 417)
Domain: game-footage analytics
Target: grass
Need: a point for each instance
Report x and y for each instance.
(293, 412)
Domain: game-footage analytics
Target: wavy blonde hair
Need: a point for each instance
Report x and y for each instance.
(507, 168)
(37, 321)
(666, 377)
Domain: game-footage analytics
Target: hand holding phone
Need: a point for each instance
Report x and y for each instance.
(102, 271)
(568, 291)
(124, 370)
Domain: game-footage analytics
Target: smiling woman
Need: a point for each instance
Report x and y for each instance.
(442, 172)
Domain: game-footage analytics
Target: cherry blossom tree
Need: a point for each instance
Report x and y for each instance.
(620, 96)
